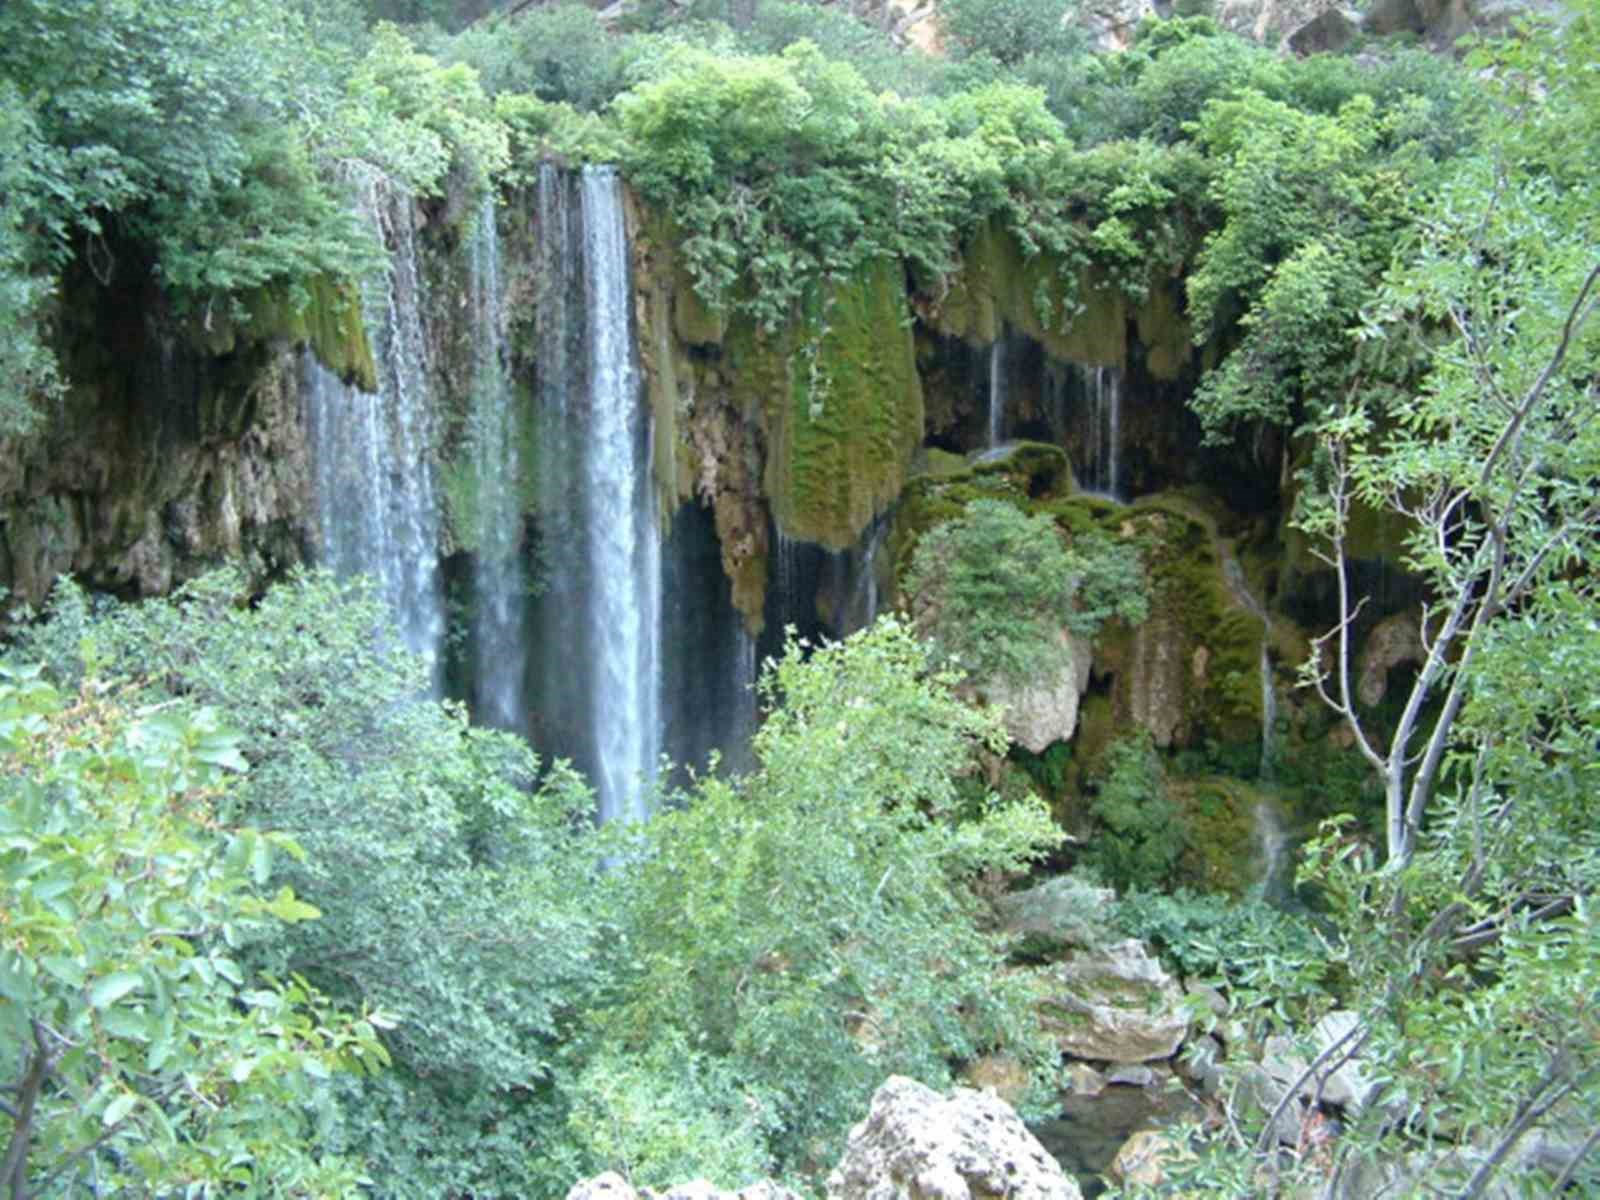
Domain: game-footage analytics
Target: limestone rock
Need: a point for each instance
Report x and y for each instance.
(1349, 1086)
(1001, 1074)
(1061, 914)
(1044, 710)
(1140, 1160)
(1116, 1005)
(1131, 1075)
(1201, 1065)
(1111, 24)
(1084, 1080)
(918, 1145)
(1393, 641)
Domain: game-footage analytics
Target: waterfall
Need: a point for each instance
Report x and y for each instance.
(621, 526)
(492, 518)
(997, 390)
(1269, 714)
(852, 580)
(377, 506)
(1103, 443)
(1272, 844)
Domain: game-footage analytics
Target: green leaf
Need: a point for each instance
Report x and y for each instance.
(68, 970)
(119, 1108)
(107, 990)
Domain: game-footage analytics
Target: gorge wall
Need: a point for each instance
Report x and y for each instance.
(782, 475)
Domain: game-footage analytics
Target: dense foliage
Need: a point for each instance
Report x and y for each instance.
(1391, 267)
(139, 1051)
(995, 589)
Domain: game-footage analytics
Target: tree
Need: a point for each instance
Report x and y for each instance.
(812, 927)
(453, 876)
(995, 588)
(1473, 945)
(137, 1052)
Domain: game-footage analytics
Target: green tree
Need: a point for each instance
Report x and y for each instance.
(812, 927)
(138, 1053)
(1008, 31)
(1470, 935)
(1142, 831)
(451, 873)
(995, 588)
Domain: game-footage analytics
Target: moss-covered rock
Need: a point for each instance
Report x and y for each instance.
(1073, 311)
(323, 313)
(846, 416)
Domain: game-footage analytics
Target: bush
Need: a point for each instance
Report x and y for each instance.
(452, 889)
(1141, 830)
(995, 589)
(1008, 31)
(810, 929)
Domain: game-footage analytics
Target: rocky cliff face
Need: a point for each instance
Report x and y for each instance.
(182, 445)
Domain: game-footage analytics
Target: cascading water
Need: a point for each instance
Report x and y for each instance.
(377, 504)
(499, 587)
(997, 391)
(621, 525)
(1102, 388)
(1269, 714)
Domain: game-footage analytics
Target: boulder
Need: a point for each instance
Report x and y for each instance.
(1044, 710)
(1131, 1075)
(1117, 1005)
(1139, 1162)
(1062, 914)
(1084, 1080)
(1201, 1065)
(1393, 641)
(918, 1145)
(612, 1186)
(1349, 1086)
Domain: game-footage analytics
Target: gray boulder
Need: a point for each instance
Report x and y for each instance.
(918, 1145)
(1117, 1005)
(1063, 913)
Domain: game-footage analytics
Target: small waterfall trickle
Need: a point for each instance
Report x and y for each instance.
(788, 580)
(622, 529)
(1269, 713)
(495, 511)
(852, 583)
(1103, 448)
(1273, 847)
(997, 391)
(377, 503)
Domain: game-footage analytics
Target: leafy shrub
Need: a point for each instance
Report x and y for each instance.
(1141, 830)
(811, 928)
(1008, 31)
(139, 1053)
(1263, 956)
(558, 52)
(996, 588)
(452, 889)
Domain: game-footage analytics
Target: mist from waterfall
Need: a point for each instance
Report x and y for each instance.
(372, 453)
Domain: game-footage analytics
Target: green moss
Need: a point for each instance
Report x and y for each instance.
(1071, 311)
(1037, 468)
(1163, 329)
(940, 464)
(843, 408)
(1220, 830)
(325, 313)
